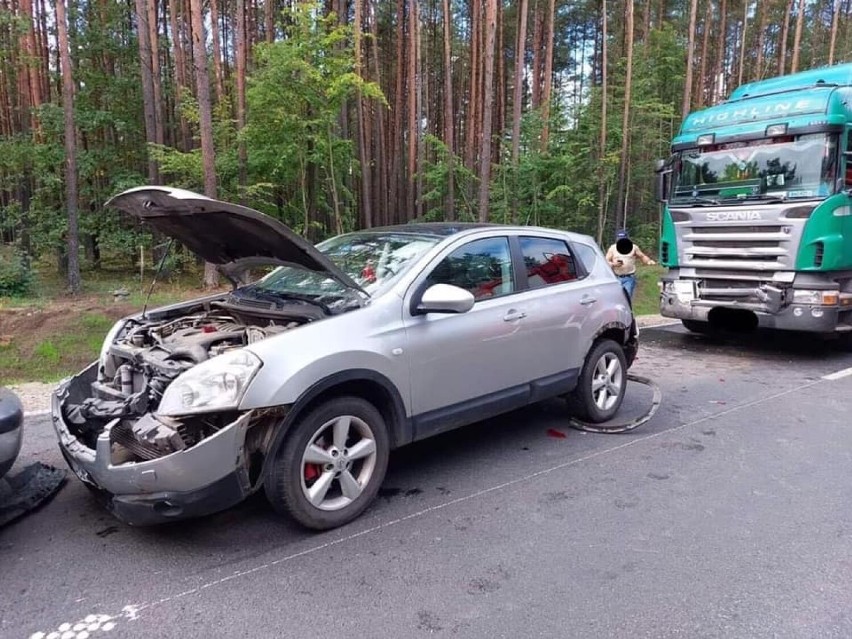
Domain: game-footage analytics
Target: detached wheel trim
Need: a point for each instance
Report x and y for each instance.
(607, 381)
(344, 452)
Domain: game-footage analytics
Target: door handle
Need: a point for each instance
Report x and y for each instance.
(588, 301)
(514, 315)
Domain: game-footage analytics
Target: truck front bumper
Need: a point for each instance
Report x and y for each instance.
(795, 317)
(206, 478)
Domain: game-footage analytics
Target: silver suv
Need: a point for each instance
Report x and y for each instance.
(304, 380)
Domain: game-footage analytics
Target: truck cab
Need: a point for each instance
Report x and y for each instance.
(757, 218)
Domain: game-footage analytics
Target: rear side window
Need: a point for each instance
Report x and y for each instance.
(547, 261)
(588, 256)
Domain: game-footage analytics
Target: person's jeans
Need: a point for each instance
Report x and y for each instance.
(629, 283)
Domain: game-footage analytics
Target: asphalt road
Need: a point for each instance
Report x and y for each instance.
(728, 515)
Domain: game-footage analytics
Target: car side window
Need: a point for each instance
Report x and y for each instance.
(588, 256)
(483, 267)
(548, 261)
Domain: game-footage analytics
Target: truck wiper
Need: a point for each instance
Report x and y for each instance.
(697, 199)
(762, 197)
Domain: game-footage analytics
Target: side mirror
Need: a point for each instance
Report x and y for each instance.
(662, 180)
(445, 298)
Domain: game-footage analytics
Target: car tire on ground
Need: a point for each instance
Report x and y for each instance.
(603, 380)
(697, 326)
(331, 465)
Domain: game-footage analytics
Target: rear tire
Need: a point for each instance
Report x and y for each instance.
(331, 465)
(603, 380)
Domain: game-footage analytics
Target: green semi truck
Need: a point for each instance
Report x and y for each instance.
(757, 218)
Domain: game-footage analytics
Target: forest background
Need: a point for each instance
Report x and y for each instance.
(345, 114)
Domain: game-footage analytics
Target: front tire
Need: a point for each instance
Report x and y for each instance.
(603, 380)
(331, 465)
(697, 326)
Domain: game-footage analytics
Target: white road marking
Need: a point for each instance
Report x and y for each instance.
(846, 372)
(37, 413)
(132, 612)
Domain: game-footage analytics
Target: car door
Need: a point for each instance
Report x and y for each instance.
(559, 300)
(468, 366)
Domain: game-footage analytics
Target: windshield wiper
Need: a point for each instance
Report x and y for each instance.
(696, 199)
(278, 296)
(755, 196)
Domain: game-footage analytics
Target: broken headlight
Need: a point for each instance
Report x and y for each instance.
(214, 385)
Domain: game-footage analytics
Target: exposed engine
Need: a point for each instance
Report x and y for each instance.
(143, 359)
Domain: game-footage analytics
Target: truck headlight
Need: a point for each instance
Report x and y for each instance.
(824, 298)
(214, 385)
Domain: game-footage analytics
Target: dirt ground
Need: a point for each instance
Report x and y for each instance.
(62, 322)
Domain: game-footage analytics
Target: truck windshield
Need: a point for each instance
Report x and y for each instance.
(782, 167)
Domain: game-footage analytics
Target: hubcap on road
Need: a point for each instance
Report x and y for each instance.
(338, 462)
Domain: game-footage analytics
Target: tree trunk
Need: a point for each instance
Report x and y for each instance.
(70, 148)
(217, 50)
(621, 208)
(242, 154)
(450, 204)
(690, 51)
(517, 98)
(761, 41)
(205, 117)
(602, 149)
(700, 91)
(363, 139)
(148, 104)
(835, 19)
(180, 75)
(156, 85)
(397, 185)
(797, 39)
(782, 48)
(743, 43)
(488, 95)
(269, 19)
(721, 55)
(413, 115)
(548, 74)
(538, 34)
(381, 188)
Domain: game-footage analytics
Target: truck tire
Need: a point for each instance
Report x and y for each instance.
(696, 326)
(603, 380)
(331, 465)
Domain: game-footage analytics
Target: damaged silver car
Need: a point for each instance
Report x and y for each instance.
(300, 383)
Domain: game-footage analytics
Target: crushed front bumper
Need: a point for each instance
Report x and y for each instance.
(795, 317)
(206, 478)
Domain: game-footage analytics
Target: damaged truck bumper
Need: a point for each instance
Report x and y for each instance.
(208, 477)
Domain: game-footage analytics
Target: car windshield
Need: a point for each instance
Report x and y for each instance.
(783, 168)
(371, 259)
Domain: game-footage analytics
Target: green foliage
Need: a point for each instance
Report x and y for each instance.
(16, 276)
(295, 96)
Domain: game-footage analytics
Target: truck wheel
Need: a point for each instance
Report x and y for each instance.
(600, 389)
(331, 465)
(696, 326)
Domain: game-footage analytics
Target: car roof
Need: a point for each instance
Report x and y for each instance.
(448, 229)
(437, 229)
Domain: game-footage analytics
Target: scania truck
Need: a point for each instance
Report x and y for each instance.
(757, 216)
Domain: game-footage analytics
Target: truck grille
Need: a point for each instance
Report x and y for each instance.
(733, 246)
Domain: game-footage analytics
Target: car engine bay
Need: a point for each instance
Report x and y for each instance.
(147, 355)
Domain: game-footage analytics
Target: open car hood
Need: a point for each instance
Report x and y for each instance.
(223, 233)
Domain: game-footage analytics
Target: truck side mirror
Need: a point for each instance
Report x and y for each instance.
(662, 181)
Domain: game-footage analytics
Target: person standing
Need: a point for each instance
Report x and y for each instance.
(622, 257)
